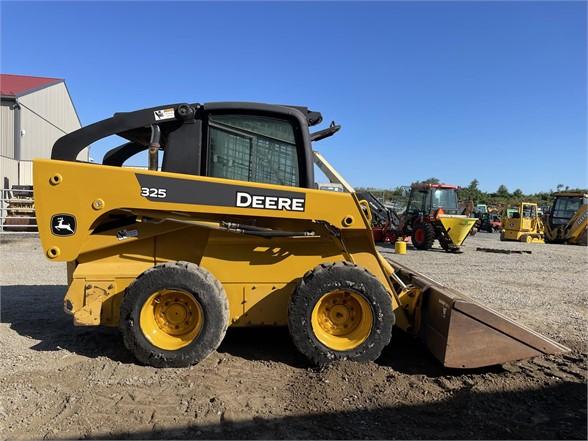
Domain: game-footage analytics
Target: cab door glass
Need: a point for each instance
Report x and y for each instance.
(253, 148)
(417, 201)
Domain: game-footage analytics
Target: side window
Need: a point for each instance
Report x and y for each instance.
(253, 148)
(417, 202)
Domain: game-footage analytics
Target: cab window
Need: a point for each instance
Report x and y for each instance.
(445, 198)
(565, 208)
(417, 201)
(252, 148)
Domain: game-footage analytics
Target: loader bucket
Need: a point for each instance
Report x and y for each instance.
(464, 334)
(457, 227)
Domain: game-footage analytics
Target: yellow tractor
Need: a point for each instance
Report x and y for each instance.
(230, 230)
(567, 221)
(523, 224)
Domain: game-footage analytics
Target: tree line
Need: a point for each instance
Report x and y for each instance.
(501, 197)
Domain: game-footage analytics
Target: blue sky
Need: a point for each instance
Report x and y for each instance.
(493, 91)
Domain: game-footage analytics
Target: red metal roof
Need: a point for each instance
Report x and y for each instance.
(17, 85)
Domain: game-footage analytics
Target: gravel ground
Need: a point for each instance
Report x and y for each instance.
(57, 381)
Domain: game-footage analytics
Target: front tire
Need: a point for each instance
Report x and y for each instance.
(340, 311)
(174, 315)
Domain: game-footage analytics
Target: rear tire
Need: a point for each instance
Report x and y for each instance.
(174, 315)
(340, 311)
(423, 236)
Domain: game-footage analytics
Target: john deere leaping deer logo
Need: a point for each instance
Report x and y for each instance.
(63, 224)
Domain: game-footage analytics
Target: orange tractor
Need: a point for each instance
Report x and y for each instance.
(431, 213)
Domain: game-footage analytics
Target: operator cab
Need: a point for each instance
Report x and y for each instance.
(565, 207)
(242, 141)
(426, 199)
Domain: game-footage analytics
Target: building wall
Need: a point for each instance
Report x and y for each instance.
(13, 172)
(46, 115)
(8, 172)
(6, 129)
(25, 172)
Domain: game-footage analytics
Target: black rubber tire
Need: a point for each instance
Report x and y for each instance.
(428, 236)
(502, 237)
(187, 277)
(326, 278)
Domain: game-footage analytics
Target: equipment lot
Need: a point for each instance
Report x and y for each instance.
(61, 381)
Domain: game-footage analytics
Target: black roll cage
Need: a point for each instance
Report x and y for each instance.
(184, 131)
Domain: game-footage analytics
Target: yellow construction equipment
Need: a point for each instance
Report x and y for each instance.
(567, 221)
(523, 225)
(231, 231)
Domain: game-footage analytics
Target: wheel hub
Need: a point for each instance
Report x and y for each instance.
(339, 314)
(170, 319)
(342, 320)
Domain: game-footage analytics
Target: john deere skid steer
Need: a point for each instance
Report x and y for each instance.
(230, 231)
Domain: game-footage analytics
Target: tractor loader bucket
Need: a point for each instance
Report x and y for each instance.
(457, 227)
(461, 333)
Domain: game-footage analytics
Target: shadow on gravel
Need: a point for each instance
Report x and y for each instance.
(407, 355)
(36, 311)
(269, 344)
(556, 412)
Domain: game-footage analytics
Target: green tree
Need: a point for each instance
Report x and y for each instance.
(428, 181)
(502, 191)
(473, 191)
(517, 193)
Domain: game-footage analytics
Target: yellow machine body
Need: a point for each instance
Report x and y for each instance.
(568, 220)
(524, 225)
(258, 274)
(457, 227)
(105, 263)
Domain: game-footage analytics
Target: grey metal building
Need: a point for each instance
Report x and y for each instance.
(34, 113)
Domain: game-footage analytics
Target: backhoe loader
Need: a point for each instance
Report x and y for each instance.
(229, 230)
(567, 221)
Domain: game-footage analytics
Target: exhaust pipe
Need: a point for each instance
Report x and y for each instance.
(154, 147)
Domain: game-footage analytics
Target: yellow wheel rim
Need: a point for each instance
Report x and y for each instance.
(171, 319)
(342, 320)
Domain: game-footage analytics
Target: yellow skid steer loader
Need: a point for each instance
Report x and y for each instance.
(230, 231)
